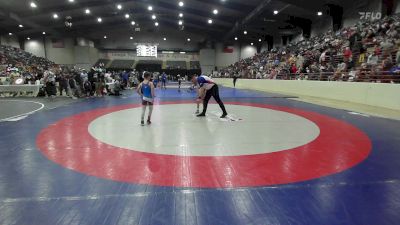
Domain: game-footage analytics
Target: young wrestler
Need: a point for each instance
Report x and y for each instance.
(146, 91)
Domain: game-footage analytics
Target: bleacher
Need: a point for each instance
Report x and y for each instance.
(122, 64)
(176, 65)
(102, 62)
(194, 65)
(149, 65)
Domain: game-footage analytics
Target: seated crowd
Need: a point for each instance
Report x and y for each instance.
(366, 52)
(56, 80)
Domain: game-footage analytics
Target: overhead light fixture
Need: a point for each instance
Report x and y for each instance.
(165, 39)
(28, 38)
(131, 38)
(215, 11)
(181, 4)
(245, 32)
(319, 13)
(252, 43)
(44, 33)
(180, 22)
(259, 40)
(87, 11)
(150, 8)
(133, 23)
(10, 34)
(55, 16)
(105, 37)
(99, 19)
(210, 21)
(276, 12)
(236, 38)
(127, 16)
(33, 5)
(156, 24)
(153, 17)
(119, 6)
(71, 0)
(181, 15)
(20, 26)
(182, 52)
(188, 40)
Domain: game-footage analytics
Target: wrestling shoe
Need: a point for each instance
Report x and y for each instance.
(142, 123)
(201, 115)
(224, 115)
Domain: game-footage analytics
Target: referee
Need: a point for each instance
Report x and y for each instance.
(210, 88)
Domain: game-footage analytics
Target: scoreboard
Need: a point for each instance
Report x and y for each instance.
(144, 50)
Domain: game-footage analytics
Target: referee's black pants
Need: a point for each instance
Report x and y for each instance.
(213, 92)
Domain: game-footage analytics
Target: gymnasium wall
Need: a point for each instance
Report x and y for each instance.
(224, 59)
(83, 55)
(397, 7)
(248, 51)
(207, 60)
(36, 47)
(176, 40)
(322, 25)
(373, 94)
(10, 41)
(352, 8)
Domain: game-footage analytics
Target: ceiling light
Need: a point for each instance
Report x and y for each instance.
(181, 4)
(154, 17)
(156, 24)
(71, 0)
(165, 39)
(127, 16)
(10, 34)
(259, 40)
(236, 38)
(28, 38)
(182, 52)
(133, 23)
(99, 19)
(119, 6)
(21, 26)
(276, 12)
(181, 15)
(105, 37)
(319, 13)
(245, 32)
(131, 38)
(188, 39)
(55, 16)
(33, 5)
(210, 21)
(150, 8)
(87, 11)
(44, 33)
(252, 43)
(180, 22)
(215, 11)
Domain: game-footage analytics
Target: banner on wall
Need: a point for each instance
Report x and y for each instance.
(57, 43)
(228, 49)
(132, 55)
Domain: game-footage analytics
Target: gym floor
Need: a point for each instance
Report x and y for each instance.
(274, 160)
